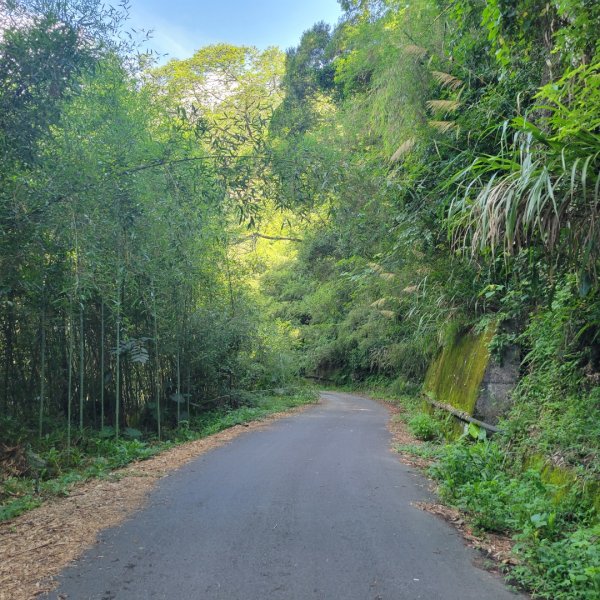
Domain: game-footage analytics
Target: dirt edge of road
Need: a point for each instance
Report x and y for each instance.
(36, 546)
(495, 548)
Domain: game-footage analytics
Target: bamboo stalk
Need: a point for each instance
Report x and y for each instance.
(42, 373)
(463, 416)
(70, 382)
(118, 365)
(102, 365)
(81, 366)
(178, 386)
(157, 362)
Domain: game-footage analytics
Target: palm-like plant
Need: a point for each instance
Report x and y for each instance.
(543, 187)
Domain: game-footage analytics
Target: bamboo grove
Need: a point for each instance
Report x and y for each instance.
(122, 305)
(174, 236)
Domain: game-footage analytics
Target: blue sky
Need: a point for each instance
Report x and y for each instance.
(182, 26)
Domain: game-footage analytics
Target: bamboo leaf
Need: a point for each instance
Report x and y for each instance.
(443, 106)
(443, 126)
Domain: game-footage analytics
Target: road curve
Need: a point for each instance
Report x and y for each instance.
(313, 507)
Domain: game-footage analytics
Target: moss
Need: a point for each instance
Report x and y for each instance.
(563, 479)
(560, 479)
(455, 376)
(593, 490)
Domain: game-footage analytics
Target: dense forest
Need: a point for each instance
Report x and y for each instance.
(183, 243)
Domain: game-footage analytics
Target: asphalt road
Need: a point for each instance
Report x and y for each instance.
(313, 507)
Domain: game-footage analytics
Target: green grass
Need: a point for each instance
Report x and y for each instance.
(426, 450)
(424, 427)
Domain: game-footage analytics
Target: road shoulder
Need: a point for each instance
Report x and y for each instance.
(39, 544)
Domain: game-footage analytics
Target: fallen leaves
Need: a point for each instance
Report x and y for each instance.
(496, 546)
(39, 544)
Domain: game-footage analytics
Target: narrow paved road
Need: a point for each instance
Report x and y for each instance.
(313, 507)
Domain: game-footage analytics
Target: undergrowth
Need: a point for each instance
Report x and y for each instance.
(53, 468)
(537, 481)
(555, 528)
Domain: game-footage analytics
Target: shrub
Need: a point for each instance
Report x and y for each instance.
(424, 427)
(561, 569)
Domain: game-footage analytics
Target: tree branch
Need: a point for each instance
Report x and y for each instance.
(276, 238)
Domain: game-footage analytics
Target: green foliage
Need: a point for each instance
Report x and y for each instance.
(424, 427)
(259, 406)
(472, 477)
(479, 119)
(18, 507)
(563, 569)
(309, 67)
(65, 466)
(545, 183)
(556, 538)
(41, 64)
(224, 97)
(556, 404)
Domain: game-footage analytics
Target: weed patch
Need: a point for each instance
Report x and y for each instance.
(557, 540)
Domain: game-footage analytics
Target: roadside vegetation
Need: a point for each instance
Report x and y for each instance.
(550, 514)
(31, 478)
(178, 237)
(447, 155)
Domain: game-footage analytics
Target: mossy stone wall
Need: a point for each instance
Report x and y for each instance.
(456, 375)
(464, 377)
